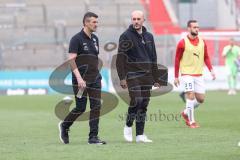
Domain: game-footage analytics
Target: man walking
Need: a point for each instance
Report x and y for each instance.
(86, 79)
(136, 64)
(191, 54)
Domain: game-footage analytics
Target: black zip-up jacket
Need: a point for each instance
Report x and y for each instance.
(136, 53)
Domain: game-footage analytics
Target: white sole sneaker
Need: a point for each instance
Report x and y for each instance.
(127, 134)
(59, 128)
(63, 133)
(143, 139)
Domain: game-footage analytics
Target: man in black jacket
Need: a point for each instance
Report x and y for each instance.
(136, 64)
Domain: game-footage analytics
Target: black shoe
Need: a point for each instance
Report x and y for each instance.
(95, 140)
(63, 133)
(182, 96)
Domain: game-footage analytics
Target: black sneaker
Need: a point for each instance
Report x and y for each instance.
(63, 133)
(95, 140)
(182, 96)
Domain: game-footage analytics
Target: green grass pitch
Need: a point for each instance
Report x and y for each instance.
(29, 131)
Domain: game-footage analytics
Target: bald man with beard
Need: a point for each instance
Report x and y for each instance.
(136, 64)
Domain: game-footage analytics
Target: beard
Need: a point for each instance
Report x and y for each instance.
(136, 27)
(93, 29)
(194, 34)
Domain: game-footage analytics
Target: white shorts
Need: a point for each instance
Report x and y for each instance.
(193, 83)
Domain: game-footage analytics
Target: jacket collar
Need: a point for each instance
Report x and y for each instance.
(130, 28)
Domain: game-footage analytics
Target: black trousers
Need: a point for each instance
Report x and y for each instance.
(139, 92)
(93, 91)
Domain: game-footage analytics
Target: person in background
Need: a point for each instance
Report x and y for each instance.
(231, 54)
(191, 54)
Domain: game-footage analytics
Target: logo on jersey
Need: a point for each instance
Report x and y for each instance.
(85, 47)
(95, 43)
(195, 54)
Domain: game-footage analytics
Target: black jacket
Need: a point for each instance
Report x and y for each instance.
(136, 53)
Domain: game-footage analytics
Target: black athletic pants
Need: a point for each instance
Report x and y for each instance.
(93, 91)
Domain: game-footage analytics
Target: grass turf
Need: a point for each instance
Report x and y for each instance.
(29, 131)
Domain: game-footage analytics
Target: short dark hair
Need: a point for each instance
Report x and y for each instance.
(191, 21)
(89, 15)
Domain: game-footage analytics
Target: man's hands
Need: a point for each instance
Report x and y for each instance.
(81, 83)
(157, 85)
(213, 75)
(123, 83)
(176, 82)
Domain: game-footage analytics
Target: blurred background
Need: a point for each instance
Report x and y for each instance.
(35, 34)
